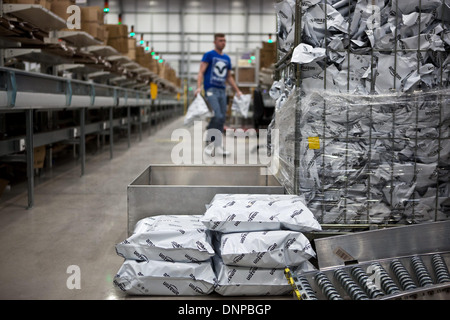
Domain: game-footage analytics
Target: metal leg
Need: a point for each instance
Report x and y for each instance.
(111, 133)
(129, 126)
(30, 156)
(83, 140)
(140, 123)
(150, 118)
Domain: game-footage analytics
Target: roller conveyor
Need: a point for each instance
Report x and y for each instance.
(421, 274)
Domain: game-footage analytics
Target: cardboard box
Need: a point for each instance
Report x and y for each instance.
(132, 49)
(269, 46)
(140, 51)
(39, 157)
(120, 44)
(59, 7)
(117, 30)
(92, 14)
(93, 28)
(101, 33)
(152, 64)
(246, 75)
(267, 58)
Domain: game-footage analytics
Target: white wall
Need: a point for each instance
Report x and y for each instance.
(173, 27)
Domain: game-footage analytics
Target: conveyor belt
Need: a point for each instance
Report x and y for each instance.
(409, 262)
(413, 277)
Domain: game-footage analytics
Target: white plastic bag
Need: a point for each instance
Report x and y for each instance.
(266, 249)
(241, 104)
(198, 110)
(180, 238)
(253, 281)
(241, 215)
(165, 278)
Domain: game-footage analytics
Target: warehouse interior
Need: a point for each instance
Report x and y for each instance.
(335, 184)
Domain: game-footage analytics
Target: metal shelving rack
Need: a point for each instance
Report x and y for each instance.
(124, 93)
(80, 96)
(284, 68)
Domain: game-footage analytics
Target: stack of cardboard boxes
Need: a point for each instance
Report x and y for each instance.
(118, 37)
(146, 60)
(91, 17)
(92, 22)
(132, 49)
(267, 54)
(59, 7)
(114, 35)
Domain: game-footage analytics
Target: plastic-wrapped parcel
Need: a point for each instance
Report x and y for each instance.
(284, 212)
(175, 238)
(253, 281)
(164, 278)
(265, 249)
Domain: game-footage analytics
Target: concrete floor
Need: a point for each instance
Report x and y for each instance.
(75, 221)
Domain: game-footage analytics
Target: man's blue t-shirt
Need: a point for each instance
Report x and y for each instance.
(217, 71)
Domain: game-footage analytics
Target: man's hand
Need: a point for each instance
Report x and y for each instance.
(196, 92)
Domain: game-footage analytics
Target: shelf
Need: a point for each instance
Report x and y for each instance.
(140, 70)
(131, 65)
(118, 79)
(36, 55)
(9, 43)
(99, 74)
(35, 14)
(118, 58)
(77, 38)
(69, 67)
(104, 51)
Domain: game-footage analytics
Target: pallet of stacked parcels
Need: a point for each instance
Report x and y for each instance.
(372, 127)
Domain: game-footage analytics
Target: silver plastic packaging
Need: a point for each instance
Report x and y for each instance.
(265, 249)
(198, 110)
(285, 124)
(378, 158)
(173, 238)
(242, 215)
(241, 104)
(285, 11)
(162, 278)
(253, 281)
(368, 129)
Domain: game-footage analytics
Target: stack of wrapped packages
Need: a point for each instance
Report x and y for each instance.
(166, 255)
(370, 116)
(256, 237)
(239, 247)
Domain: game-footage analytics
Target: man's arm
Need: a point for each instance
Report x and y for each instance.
(232, 83)
(200, 76)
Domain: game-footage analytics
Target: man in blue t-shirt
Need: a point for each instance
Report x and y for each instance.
(215, 73)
